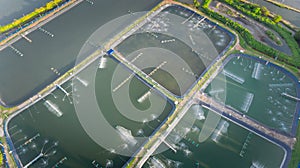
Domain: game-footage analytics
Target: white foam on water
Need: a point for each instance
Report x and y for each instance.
(281, 85)
(144, 97)
(126, 135)
(256, 73)
(247, 102)
(257, 164)
(221, 129)
(83, 82)
(216, 91)
(109, 164)
(53, 108)
(233, 77)
(157, 163)
(103, 61)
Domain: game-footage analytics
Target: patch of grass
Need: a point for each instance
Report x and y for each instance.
(1, 159)
(273, 37)
(295, 160)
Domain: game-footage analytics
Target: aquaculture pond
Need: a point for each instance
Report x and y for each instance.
(226, 144)
(53, 128)
(179, 44)
(35, 67)
(260, 90)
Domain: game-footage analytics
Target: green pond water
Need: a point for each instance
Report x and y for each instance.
(66, 136)
(229, 145)
(184, 41)
(32, 72)
(255, 89)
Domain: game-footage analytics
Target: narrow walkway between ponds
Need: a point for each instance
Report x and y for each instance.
(290, 141)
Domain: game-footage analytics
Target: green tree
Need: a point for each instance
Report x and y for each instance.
(205, 3)
(277, 18)
(196, 3)
(257, 10)
(50, 5)
(265, 11)
(229, 1)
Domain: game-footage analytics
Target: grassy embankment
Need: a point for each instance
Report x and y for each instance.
(295, 160)
(273, 37)
(248, 38)
(1, 159)
(277, 3)
(29, 17)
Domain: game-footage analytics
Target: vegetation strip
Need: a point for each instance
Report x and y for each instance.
(44, 18)
(283, 5)
(38, 11)
(273, 37)
(249, 38)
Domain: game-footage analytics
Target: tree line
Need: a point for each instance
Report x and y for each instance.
(260, 14)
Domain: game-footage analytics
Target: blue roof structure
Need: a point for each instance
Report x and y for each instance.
(109, 52)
